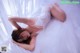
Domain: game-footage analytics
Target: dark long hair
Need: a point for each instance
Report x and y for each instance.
(16, 36)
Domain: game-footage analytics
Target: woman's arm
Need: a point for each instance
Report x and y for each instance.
(14, 21)
(58, 13)
(26, 46)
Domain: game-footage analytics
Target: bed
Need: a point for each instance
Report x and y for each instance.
(57, 37)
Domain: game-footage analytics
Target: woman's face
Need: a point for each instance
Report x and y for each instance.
(24, 35)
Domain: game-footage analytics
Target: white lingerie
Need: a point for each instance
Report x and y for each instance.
(41, 15)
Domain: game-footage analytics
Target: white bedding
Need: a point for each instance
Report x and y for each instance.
(58, 37)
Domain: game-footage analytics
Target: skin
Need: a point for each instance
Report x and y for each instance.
(56, 12)
(31, 28)
(25, 34)
(30, 47)
(30, 22)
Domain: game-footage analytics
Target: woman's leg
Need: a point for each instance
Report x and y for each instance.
(58, 13)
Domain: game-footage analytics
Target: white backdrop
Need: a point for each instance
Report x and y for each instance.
(56, 38)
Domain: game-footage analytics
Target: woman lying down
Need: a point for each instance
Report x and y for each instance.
(26, 37)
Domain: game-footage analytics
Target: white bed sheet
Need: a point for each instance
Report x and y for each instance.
(58, 37)
(54, 39)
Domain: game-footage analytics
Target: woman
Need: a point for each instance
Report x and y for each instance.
(38, 23)
(27, 42)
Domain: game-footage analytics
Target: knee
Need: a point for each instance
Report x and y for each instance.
(62, 16)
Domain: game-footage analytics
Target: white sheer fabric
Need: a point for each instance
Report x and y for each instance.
(58, 37)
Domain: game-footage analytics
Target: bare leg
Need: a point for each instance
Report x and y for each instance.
(58, 13)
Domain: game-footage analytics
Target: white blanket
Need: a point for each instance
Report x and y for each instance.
(58, 37)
